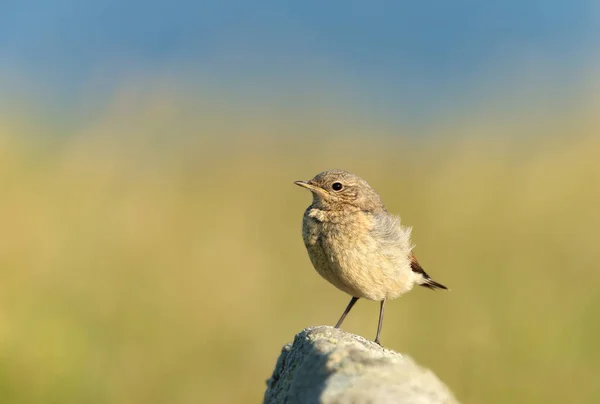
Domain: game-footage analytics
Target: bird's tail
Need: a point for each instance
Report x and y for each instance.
(431, 284)
(424, 280)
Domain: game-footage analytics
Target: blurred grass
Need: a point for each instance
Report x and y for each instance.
(155, 256)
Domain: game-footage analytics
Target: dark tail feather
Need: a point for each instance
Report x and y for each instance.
(433, 285)
(427, 281)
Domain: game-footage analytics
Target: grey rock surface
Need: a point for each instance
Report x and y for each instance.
(328, 365)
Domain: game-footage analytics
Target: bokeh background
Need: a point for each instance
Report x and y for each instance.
(150, 244)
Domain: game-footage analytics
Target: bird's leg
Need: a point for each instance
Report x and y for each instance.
(352, 301)
(380, 322)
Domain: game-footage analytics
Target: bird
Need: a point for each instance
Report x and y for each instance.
(355, 244)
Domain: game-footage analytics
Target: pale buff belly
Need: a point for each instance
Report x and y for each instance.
(356, 267)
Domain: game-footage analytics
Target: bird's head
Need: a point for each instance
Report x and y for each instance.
(335, 189)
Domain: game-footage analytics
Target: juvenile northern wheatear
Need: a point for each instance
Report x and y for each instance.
(356, 245)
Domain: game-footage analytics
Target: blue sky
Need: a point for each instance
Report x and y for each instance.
(394, 51)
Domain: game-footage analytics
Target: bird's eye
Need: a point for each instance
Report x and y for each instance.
(337, 186)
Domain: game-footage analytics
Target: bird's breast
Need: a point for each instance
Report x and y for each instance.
(344, 252)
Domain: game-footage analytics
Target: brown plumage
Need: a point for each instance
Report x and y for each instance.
(356, 245)
(417, 268)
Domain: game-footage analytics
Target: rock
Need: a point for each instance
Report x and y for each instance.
(328, 365)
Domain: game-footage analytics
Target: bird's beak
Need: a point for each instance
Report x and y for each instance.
(305, 184)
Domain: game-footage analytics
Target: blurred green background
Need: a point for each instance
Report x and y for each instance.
(142, 267)
(150, 230)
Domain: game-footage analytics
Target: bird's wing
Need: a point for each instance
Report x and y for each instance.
(416, 267)
(393, 238)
